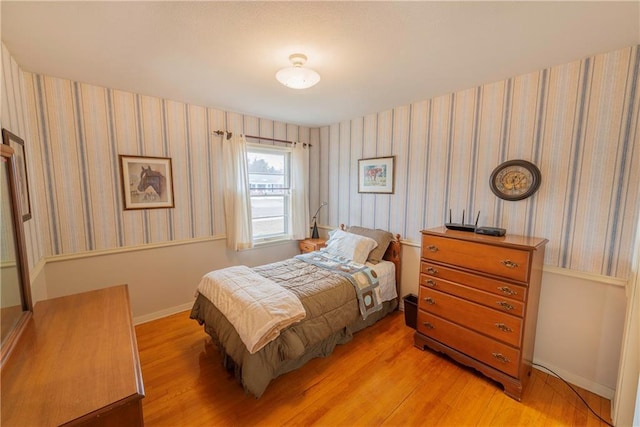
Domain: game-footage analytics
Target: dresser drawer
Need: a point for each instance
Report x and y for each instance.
(491, 352)
(490, 300)
(307, 247)
(498, 325)
(487, 284)
(499, 260)
(310, 245)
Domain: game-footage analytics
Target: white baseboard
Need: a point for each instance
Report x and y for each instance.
(162, 313)
(577, 380)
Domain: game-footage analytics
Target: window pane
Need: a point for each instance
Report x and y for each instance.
(268, 227)
(261, 180)
(266, 163)
(269, 190)
(267, 206)
(268, 169)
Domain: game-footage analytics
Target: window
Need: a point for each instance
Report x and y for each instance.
(269, 180)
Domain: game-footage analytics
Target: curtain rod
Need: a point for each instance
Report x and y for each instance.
(229, 134)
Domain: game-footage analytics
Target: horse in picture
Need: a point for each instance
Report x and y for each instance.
(151, 182)
(375, 175)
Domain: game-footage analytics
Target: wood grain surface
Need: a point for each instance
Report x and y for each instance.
(379, 378)
(77, 359)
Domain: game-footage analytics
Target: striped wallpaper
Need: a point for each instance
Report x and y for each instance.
(78, 132)
(14, 118)
(577, 122)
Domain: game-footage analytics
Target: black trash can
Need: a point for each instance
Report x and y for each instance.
(411, 310)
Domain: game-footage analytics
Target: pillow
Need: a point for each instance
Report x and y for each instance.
(350, 246)
(382, 237)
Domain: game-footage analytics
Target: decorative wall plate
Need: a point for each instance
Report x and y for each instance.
(515, 180)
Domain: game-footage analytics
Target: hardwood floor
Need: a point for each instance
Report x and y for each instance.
(379, 378)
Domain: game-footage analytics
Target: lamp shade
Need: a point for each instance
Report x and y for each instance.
(296, 76)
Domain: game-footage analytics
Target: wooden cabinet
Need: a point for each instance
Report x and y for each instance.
(310, 245)
(76, 363)
(478, 301)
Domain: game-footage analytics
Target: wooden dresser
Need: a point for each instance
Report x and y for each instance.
(478, 301)
(76, 363)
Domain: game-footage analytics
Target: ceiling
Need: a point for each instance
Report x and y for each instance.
(372, 56)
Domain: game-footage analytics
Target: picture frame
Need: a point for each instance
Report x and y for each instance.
(147, 182)
(376, 175)
(22, 180)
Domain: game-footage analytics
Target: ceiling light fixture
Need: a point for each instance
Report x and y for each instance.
(297, 77)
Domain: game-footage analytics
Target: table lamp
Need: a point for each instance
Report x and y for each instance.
(314, 233)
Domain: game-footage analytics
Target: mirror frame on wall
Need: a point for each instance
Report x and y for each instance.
(21, 257)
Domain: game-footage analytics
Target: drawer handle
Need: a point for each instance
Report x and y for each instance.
(505, 305)
(507, 291)
(428, 325)
(508, 263)
(503, 327)
(432, 248)
(501, 357)
(429, 300)
(431, 283)
(432, 270)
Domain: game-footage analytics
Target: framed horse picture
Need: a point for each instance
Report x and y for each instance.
(147, 182)
(376, 175)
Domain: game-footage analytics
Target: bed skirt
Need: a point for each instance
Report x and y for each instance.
(255, 371)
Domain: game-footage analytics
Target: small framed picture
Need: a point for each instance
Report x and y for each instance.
(376, 175)
(147, 182)
(22, 183)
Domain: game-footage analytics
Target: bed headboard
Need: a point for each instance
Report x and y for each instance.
(392, 254)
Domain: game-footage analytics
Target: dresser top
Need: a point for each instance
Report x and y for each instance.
(508, 240)
(77, 355)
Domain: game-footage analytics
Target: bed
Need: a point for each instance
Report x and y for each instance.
(339, 295)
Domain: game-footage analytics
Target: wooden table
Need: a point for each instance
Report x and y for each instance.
(310, 245)
(76, 363)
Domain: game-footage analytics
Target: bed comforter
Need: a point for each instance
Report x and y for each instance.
(257, 307)
(333, 315)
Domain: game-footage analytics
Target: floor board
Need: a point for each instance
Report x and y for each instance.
(379, 378)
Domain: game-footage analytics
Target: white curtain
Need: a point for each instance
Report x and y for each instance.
(237, 200)
(299, 192)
